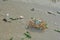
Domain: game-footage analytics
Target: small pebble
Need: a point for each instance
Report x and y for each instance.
(32, 9)
(49, 13)
(5, 20)
(7, 14)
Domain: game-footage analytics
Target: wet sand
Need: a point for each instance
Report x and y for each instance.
(16, 28)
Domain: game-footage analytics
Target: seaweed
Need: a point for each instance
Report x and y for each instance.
(14, 18)
(57, 30)
(27, 34)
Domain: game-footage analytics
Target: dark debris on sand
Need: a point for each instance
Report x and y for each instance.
(5, 20)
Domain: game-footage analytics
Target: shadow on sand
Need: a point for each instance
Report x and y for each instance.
(34, 30)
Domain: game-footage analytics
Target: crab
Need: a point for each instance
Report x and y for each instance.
(42, 25)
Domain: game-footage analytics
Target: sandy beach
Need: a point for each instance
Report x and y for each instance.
(18, 8)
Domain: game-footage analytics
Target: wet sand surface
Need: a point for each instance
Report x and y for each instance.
(16, 28)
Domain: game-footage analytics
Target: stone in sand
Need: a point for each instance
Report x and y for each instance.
(32, 9)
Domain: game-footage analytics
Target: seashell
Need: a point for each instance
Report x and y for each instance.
(7, 14)
(21, 17)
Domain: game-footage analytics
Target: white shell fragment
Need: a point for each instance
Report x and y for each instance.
(7, 14)
(21, 17)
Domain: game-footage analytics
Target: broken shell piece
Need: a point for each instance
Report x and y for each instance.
(7, 16)
(21, 17)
